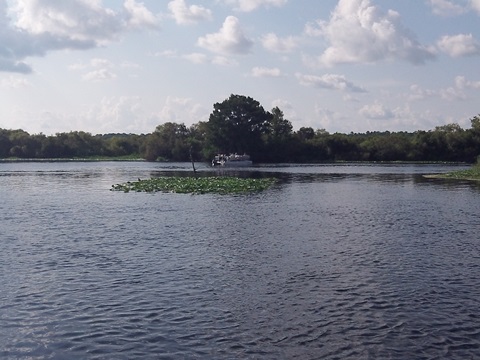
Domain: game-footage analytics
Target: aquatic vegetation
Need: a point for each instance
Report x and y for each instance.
(468, 174)
(196, 185)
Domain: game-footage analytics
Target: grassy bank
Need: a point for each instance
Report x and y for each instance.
(468, 174)
(79, 159)
(193, 185)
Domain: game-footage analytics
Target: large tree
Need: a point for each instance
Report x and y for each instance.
(169, 141)
(237, 124)
(278, 141)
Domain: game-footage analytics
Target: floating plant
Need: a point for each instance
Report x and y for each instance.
(196, 185)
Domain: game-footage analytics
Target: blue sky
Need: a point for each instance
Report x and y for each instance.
(344, 65)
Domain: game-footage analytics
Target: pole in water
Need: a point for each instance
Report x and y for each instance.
(191, 159)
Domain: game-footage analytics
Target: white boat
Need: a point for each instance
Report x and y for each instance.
(232, 160)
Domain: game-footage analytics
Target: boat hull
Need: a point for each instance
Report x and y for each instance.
(236, 164)
(233, 160)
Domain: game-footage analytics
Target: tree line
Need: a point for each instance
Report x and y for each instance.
(240, 124)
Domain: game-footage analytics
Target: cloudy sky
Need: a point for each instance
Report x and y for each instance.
(340, 65)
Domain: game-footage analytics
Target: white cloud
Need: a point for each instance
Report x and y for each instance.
(224, 61)
(475, 4)
(273, 43)
(452, 93)
(376, 111)
(329, 82)
(459, 45)
(196, 58)
(36, 27)
(230, 39)
(72, 20)
(462, 83)
(326, 118)
(284, 105)
(446, 8)
(265, 72)
(100, 62)
(98, 69)
(124, 114)
(14, 82)
(461, 89)
(129, 65)
(99, 75)
(184, 14)
(359, 32)
(166, 53)
(118, 114)
(289, 112)
(138, 16)
(418, 93)
(250, 5)
(182, 110)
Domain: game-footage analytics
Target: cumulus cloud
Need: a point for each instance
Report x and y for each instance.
(117, 114)
(169, 53)
(461, 89)
(184, 14)
(14, 82)
(265, 72)
(230, 39)
(124, 114)
(99, 75)
(75, 20)
(81, 20)
(462, 83)
(224, 61)
(36, 27)
(196, 58)
(250, 5)
(138, 16)
(459, 45)
(446, 8)
(359, 32)
(182, 110)
(273, 43)
(98, 69)
(329, 82)
(475, 4)
(376, 111)
(418, 93)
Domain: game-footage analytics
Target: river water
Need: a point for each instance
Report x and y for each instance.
(334, 262)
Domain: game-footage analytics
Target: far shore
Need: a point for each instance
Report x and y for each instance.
(472, 174)
(129, 158)
(99, 159)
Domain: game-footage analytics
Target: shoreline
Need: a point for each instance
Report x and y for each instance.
(472, 174)
(119, 159)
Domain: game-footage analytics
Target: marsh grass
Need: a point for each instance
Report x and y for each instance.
(196, 185)
(468, 174)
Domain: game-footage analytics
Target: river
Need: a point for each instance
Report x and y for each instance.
(346, 261)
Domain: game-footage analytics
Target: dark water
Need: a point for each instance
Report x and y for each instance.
(334, 262)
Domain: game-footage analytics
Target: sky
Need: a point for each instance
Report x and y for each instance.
(127, 66)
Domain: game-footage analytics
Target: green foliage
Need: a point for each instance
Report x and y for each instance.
(194, 185)
(237, 124)
(468, 174)
(240, 124)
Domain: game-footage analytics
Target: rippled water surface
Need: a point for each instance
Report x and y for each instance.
(333, 262)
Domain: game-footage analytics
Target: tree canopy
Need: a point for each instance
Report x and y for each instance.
(237, 125)
(240, 124)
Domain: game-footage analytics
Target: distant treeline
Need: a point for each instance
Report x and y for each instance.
(266, 136)
(445, 143)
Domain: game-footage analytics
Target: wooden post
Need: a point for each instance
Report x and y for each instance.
(191, 159)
